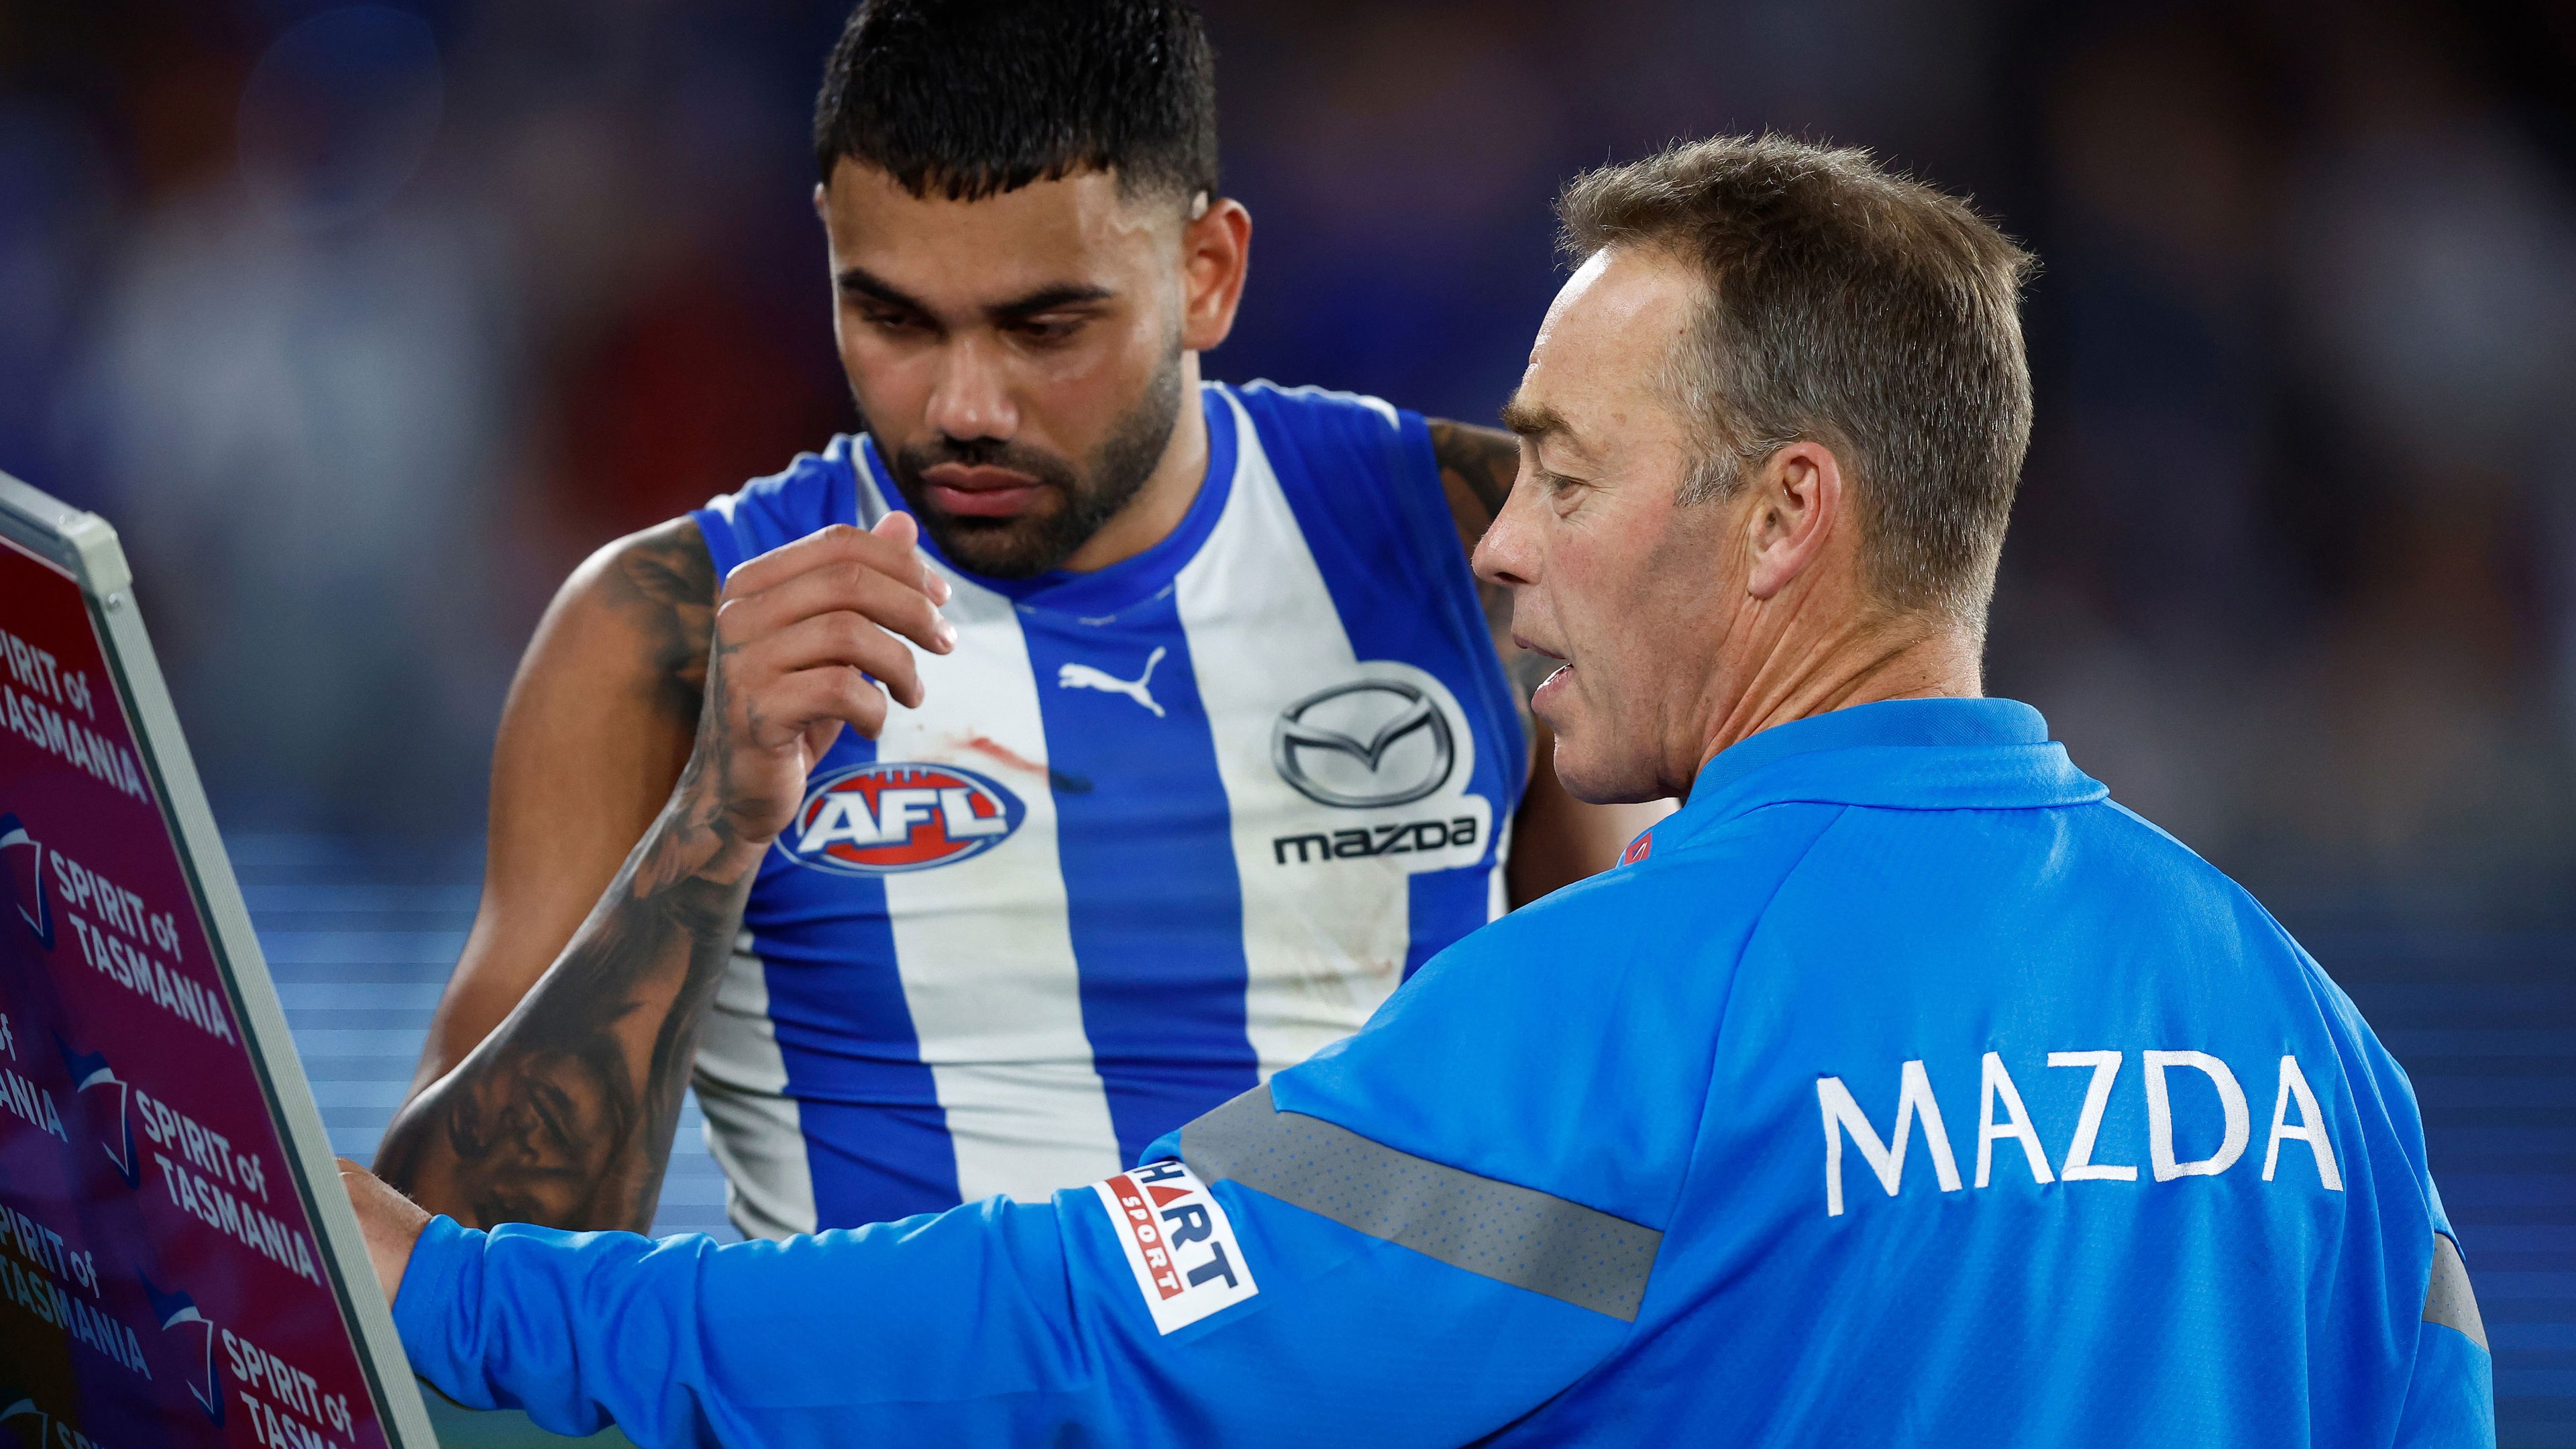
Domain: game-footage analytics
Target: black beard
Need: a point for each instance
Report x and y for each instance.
(1042, 537)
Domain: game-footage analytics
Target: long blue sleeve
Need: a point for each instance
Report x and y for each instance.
(993, 1323)
(1900, 1088)
(2451, 1401)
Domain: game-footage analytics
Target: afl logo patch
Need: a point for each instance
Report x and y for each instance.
(890, 816)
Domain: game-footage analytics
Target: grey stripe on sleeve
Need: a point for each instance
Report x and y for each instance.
(1511, 1234)
(2448, 1300)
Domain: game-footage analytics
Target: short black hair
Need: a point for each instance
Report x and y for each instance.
(972, 98)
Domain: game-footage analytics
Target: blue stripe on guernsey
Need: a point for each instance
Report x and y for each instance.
(1366, 492)
(1142, 828)
(876, 1140)
(1154, 904)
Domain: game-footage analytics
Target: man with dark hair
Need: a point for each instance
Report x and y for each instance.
(1204, 741)
(1899, 1089)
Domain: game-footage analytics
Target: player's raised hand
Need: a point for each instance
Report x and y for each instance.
(809, 637)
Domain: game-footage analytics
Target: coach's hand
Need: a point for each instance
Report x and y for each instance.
(809, 637)
(389, 1221)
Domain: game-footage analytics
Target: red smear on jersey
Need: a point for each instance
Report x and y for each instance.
(1000, 753)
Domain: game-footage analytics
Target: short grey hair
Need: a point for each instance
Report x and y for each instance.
(1850, 306)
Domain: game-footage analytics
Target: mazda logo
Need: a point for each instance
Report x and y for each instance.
(1362, 745)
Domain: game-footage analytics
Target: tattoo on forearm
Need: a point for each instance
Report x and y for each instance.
(564, 1115)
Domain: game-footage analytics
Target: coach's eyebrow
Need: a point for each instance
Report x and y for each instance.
(1539, 423)
(1532, 420)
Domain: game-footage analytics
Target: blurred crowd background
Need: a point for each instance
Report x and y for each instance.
(365, 323)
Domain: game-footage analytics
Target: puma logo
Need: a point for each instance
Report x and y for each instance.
(1083, 676)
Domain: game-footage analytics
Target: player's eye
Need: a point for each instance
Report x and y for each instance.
(889, 320)
(1045, 330)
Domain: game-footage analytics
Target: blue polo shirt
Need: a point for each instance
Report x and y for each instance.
(1901, 1088)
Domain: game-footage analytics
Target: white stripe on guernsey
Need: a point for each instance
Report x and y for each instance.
(1263, 631)
(752, 1124)
(984, 947)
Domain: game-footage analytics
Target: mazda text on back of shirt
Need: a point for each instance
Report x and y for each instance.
(2205, 1086)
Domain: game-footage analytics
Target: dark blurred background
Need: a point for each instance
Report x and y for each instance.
(365, 323)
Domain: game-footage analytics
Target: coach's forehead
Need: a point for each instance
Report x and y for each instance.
(1596, 375)
(995, 246)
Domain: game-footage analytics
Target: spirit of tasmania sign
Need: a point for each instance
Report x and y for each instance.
(163, 1274)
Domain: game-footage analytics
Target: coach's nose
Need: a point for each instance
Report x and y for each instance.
(972, 398)
(1508, 554)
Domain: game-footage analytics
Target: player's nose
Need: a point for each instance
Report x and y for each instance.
(972, 398)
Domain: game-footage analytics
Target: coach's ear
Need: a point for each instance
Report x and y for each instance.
(391, 1223)
(1793, 509)
(1216, 250)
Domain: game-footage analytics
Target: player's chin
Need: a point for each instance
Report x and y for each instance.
(1021, 546)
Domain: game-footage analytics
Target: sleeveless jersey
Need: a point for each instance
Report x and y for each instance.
(1158, 830)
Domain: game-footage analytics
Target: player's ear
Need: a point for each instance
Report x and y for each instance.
(1216, 248)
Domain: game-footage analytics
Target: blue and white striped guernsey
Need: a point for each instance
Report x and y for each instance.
(1159, 830)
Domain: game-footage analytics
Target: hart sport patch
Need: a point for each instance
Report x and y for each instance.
(1178, 1242)
(889, 816)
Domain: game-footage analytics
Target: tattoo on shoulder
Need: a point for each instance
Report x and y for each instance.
(666, 582)
(1476, 468)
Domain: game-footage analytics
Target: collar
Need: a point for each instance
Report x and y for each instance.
(1904, 754)
(1104, 593)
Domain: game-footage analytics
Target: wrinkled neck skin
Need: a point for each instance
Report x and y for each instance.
(1804, 660)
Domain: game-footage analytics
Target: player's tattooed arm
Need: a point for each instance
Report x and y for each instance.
(564, 1113)
(664, 584)
(1477, 466)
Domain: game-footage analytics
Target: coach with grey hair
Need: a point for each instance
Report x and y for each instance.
(1899, 1089)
